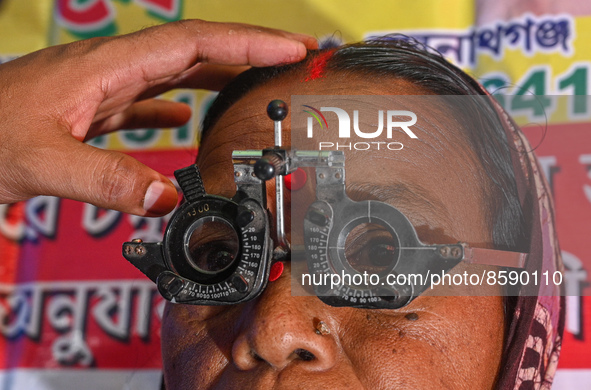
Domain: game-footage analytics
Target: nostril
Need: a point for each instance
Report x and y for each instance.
(257, 357)
(304, 354)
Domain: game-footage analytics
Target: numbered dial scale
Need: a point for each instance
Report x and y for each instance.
(363, 254)
(370, 248)
(215, 250)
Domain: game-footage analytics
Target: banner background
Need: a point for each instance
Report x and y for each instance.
(73, 311)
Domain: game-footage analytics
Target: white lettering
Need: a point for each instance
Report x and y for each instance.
(585, 159)
(398, 145)
(376, 133)
(403, 125)
(574, 279)
(96, 224)
(42, 215)
(344, 121)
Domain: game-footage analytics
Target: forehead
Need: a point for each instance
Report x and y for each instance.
(436, 180)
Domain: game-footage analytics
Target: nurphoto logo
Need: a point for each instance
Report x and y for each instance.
(393, 119)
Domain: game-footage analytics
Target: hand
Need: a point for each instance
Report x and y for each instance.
(53, 99)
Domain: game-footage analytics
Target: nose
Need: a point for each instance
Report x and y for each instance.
(280, 330)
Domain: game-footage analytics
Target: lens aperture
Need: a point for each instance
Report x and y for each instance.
(370, 247)
(211, 245)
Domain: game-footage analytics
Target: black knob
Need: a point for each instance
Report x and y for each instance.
(266, 167)
(244, 217)
(317, 217)
(169, 285)
(239, 283)
(277, 110)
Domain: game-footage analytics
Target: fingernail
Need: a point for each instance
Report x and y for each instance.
(160, 198)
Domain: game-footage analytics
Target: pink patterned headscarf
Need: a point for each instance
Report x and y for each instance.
(534, 338)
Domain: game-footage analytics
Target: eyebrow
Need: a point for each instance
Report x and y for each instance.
(407, 196)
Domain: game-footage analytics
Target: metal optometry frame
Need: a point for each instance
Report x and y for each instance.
(218, 251)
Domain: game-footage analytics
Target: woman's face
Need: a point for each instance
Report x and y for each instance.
(271, 342)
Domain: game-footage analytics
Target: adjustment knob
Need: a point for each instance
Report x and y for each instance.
(318, 217)
(277, 110)
(189, 179)
(244, 217)
(264, 169)
(268, 166)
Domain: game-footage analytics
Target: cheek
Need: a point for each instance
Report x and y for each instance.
(189, 352)
(448, 342)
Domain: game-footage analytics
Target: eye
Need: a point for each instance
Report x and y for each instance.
(370, 248)
(212, 245)
(213, 256)
(381, 254)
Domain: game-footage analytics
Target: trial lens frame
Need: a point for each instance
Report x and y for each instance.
(219, 251)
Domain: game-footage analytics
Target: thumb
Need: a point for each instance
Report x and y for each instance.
(106, 179)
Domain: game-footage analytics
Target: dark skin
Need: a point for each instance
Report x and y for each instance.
(53, 99)
(436, 342)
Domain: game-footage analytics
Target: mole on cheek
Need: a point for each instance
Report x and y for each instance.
(412, 316)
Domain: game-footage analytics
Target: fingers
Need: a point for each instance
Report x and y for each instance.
(190, 53)
(104, 178)
(223, 43)
(240, 44)
(162, 54)
(59, 165)
(152, 113)
(61, 95)
(201, 76)
(210, 77)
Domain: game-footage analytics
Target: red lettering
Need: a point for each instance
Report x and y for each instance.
(86, 15)
(168, 9)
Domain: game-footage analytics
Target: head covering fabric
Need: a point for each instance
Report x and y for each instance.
(534, 335)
